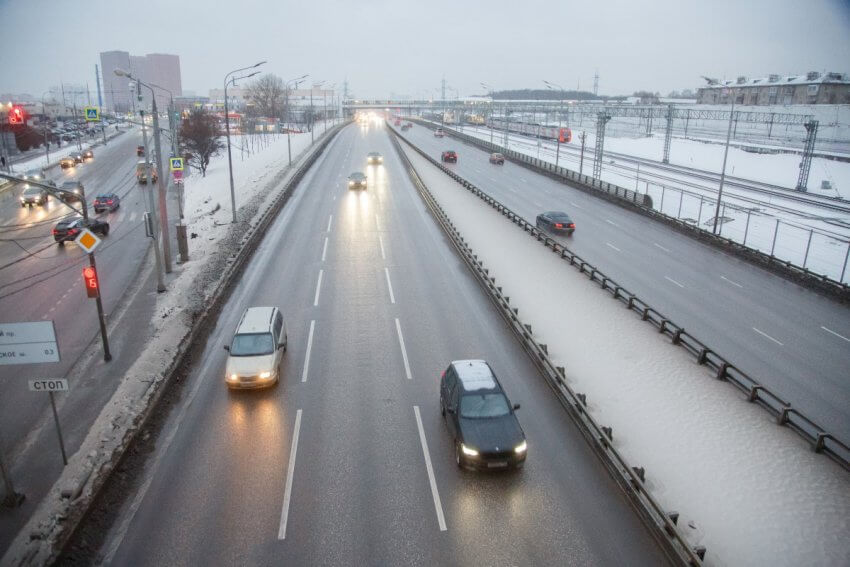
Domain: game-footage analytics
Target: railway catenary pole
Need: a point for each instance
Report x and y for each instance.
(723, 171)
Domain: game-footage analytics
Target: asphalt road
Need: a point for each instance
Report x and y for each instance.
(45, 283)
(794, 341)
(347, 461)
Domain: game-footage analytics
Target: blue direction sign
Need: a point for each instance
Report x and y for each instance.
(176, 163)
(28, 343)
(92, 114)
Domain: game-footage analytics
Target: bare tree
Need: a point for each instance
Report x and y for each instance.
(201, 134)
(268, 94)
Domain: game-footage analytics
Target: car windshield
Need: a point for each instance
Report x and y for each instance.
(69, 185)
(357, 176)
(560, 217)
(475, 406)
(32, 191)
(252, 344)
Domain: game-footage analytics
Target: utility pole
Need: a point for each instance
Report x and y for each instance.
(160, 284)
(723, 171)
(596, 83)
(99, 102)
(582, 137)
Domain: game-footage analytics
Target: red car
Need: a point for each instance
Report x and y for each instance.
(449, 156)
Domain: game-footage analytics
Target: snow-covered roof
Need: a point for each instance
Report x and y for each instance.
(811, 78)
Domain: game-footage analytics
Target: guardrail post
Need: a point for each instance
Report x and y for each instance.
(703, 355)
(754, 393)
(820, 444)
(677, 337)
(721, 371)
(609, 433)
(782, 419)
(640, 472)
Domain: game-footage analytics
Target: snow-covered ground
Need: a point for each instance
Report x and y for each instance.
(747, 217)
(752, 492)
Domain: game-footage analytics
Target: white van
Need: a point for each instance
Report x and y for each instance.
(257, 349)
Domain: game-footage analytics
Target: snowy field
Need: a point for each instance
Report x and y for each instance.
(752, 492)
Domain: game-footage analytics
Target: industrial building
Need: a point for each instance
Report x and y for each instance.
(811, 88)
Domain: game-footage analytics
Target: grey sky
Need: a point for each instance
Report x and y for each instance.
(394, 46)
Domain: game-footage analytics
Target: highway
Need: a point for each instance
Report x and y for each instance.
(794, 341)
(347, 461)
(41, 280)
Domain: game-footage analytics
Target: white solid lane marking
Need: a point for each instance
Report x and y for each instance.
(389, 285)
(318, 288)
(309, 349)
(659, 246)
(612, 246)
(381, 240)
(133, 216)
(325, 249)
(330, 219)
(403, 350)
(834, 333)
(573, 204)
(611, 222)
(441, 519)
(762, 333)
(674, 281)
(290, 471)
(730, 281)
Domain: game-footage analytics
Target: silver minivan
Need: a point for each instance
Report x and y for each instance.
(257, 349)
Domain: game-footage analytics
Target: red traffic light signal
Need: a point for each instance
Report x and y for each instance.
(16, 115)
(90, 281)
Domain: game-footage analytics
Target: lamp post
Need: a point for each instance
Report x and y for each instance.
(553, 86)
(318, 84)
(163, 205)
(725, 154)
(288, 121)
(227, 80)
(46, 142)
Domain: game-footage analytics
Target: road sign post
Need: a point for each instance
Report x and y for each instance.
(50, 386)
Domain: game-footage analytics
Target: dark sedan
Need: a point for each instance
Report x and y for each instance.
(71, 228)
(556, 221)
(106, 202)
(71, 191)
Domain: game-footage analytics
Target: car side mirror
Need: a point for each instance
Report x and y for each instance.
(227, 348)
(516, 406)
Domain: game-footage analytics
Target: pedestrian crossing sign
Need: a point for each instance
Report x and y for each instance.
(176, 163)
(92, 114)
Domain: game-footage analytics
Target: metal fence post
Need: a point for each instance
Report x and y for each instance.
(722, 216)
(681, 196)
(844, 268)
(699, 216)
(747, 227)
(808, 245)
(661, 207)
(775, 232)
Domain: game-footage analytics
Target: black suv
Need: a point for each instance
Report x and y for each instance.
(486, 432)
(69, 229)
(106, 202)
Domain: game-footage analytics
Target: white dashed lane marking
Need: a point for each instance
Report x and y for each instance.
(834, 333)
(608, 244)
(611, 222)
(659, 246)
(762, 333)
(730, 281)
(673, 281)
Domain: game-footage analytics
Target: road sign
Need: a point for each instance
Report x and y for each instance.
(176, 163)
(49, 385)
(87, 240)
(28, 343)
(92, 114)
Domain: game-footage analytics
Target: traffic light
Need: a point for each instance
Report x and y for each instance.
(16, 115)
(90, 281)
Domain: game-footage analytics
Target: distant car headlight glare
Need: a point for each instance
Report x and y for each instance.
(519, 449)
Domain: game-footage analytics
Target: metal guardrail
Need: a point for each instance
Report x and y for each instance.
(785, 414)
(628, 197)
(629, 478)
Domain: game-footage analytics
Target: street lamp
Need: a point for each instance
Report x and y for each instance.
(46, 142)
(288, 118)
(163, 205)
(553, 86)
(227, 80)
(316, 84)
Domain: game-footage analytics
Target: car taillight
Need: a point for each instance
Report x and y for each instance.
(558, 225)
(55, 231)
(571, 225)
(109, 202)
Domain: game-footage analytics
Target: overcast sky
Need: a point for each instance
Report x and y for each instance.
(399, 47)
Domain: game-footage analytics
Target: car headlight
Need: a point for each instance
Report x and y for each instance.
(264, 375)
(519, 449)
(468, 450)
(234, 376)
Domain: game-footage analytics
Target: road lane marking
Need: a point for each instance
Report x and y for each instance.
(389, 285)
(730, 281)
(612, 223)
(674, 281)
(309, 350)
(330, 219)
(441, 519)
(762, 333)
(318, 289)
(576, 206)
(612, 246)
(834, 333)
(403, 350)
(290, 471)
(377, 222)
(133, 216)
(325, 249)
(381, 240)
(659, 246)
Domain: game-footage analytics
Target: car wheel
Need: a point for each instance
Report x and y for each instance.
(105, 230)
(60, 242)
